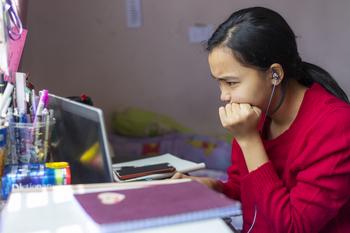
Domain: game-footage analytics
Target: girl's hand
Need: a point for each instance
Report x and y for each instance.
(209, 182)
(240, 119)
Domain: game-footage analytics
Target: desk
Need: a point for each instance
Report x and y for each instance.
(54, 210)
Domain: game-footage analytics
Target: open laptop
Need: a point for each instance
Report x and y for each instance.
(79, 138)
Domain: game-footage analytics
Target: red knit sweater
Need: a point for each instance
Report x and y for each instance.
(305, 187)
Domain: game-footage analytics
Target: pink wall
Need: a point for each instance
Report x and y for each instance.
(84, 46)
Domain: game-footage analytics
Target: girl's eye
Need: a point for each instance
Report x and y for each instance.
(231, 83)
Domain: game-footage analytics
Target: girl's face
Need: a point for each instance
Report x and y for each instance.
(238, 83)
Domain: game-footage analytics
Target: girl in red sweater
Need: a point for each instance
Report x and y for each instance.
(291, 126)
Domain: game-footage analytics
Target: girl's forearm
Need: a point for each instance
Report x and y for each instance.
(253, 151)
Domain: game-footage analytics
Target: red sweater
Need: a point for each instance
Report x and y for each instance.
(305, 187)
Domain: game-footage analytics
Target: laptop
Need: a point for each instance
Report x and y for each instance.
(79, 138)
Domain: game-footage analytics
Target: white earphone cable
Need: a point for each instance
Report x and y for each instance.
(253, 223)
(268, 106)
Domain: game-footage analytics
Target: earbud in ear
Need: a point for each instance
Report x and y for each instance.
(275, 77)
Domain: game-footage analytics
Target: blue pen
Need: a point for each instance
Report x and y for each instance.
(12, 156)
(17, 135)
(24, 156)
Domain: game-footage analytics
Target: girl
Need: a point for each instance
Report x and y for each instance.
(291, 126)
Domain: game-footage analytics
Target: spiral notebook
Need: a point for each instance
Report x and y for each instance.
(124, 210)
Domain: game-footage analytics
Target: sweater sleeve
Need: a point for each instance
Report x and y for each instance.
(322, 179)
(231, 187)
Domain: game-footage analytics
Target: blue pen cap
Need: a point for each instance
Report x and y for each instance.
(3, 136)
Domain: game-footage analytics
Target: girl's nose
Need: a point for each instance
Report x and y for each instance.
(225, 97)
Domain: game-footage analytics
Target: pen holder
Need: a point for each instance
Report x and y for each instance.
(29, 142)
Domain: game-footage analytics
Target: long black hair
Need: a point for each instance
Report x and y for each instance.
(260, 37)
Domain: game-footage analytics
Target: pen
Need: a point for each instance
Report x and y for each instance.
(33, 101)
(20, 92)
(37, 124)
(44, 96)
(6, 106)
(17, 136)
(24, 155)
(6, 95)
(2, 83)
(46, 120)
(12, 156)
(14, 101)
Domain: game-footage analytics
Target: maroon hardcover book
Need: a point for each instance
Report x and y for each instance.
(132, 209)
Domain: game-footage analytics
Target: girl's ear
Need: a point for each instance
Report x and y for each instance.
(277, 74)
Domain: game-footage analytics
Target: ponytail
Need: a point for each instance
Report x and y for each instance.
(311, 73)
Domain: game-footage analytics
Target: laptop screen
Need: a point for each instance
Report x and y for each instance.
(79, 138)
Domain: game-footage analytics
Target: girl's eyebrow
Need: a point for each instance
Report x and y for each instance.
(224, 77)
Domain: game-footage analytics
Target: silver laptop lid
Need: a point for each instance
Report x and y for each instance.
(79, 137)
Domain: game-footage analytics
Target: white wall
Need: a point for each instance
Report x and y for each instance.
(84, 46)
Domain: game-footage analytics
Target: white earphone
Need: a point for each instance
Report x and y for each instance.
(275, 76)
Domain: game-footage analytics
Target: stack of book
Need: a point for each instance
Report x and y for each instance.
(168, 162)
